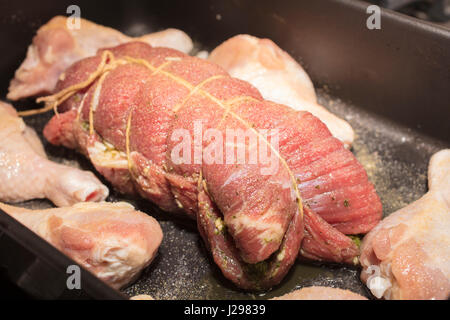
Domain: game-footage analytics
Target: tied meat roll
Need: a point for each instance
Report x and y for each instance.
(157, 122)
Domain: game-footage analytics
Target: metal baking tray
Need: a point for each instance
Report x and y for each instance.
(391, 84)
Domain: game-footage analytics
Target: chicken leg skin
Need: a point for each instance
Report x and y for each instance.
(56, 47)
(321, 293)
(112, 240)
(407, 255)
(26, 173)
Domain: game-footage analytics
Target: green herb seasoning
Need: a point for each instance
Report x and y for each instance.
(356, 240)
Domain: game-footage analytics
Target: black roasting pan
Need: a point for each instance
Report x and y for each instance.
(391, 84)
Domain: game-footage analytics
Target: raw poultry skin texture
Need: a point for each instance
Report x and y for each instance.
(407, 255)
(111, 240)
(26, 173)
(321, 293)
(125, 119)
(278, 77)
(56, 47)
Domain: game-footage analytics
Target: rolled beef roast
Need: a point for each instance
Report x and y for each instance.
(157, 122)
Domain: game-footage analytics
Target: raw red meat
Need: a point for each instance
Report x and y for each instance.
(125, 112)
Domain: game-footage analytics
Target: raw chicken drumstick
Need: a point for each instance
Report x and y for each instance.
(111, 240)
(130, 109)
(56, 47)
(278, 77)
(26, 173)
(407, 255)
(321, 293)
